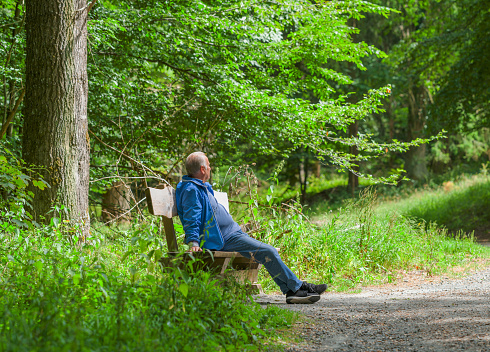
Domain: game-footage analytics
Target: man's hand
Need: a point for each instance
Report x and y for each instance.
(195, 249)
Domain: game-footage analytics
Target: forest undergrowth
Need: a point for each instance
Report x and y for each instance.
(460, 205)
(108, 292)
(370, 239)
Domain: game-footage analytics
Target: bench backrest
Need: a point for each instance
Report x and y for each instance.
(161, 201)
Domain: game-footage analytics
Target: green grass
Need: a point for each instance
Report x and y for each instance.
(316, 189)
(364, 243)
(110, 295)
(462, 205)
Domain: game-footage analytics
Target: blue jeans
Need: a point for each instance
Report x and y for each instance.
(266, 255)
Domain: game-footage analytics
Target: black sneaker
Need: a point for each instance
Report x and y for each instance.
(307, 293)
(313, 288)
(302, 297)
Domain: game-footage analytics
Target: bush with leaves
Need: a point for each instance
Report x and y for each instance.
(56, 296)
(15, 199)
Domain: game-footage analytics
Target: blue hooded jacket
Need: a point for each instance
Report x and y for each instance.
(196, 214)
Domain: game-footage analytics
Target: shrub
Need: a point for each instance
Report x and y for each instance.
(92, 297)
(15, 198)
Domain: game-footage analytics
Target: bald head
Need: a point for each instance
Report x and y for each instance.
(194, 162)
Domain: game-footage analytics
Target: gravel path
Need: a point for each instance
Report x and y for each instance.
(442, 315)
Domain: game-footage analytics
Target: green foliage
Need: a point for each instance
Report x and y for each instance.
(436, 67)
(458, 206)
(12, 54)
(461, 150)
(169, 78)
(462, 101)
(15, 201)
(55, 296)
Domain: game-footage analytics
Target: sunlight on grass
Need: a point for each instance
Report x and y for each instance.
(460, 205)
(365, 243)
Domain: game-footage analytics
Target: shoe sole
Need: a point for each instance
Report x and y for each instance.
(303, 300)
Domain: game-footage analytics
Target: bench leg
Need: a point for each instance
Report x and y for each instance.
(225, 265)
(257, 289)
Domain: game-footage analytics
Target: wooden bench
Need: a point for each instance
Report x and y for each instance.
(162, 202)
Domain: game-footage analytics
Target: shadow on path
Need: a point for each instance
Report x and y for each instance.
(452, 315)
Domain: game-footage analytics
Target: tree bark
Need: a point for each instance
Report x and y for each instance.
(303, 175)
(55, 124)
(318, 168)
(353, 182)
(116, 202)
(416, 161)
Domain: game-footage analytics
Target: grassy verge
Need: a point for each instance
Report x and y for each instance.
(462, 205)
(362, 244)
(334, 186)
(111, 296)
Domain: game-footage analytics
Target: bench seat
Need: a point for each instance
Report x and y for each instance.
(161, 201)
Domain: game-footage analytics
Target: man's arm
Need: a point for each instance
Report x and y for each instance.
(191, 218)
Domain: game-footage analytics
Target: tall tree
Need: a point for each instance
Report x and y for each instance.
(12, 53)
(443, 54)
(462, 102)
(413, 78)
(55, 124)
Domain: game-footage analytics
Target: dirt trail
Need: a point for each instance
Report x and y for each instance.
(443, 315)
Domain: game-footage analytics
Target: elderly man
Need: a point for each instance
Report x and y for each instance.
(207, 224)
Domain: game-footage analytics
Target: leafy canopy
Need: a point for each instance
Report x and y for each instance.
(170, 77)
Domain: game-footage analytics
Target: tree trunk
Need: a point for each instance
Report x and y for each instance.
(416, 163)
(318, 168)
(116, 203)
(55, 124)
(353, 182)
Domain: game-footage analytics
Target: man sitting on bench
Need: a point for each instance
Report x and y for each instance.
(207, 224)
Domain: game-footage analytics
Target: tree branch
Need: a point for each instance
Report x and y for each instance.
(12, 113)
(9, 24)
(143, 166)
(185, 71)
(129, 178)
(88, 7)
(216, 45)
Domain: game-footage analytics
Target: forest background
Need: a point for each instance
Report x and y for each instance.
(101, 99)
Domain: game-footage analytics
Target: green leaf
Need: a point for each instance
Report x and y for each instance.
(20, 223)
(39, 184)
(143, 245)
(184, 289)
(126, 255)
(158, 254)
(55, 221)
